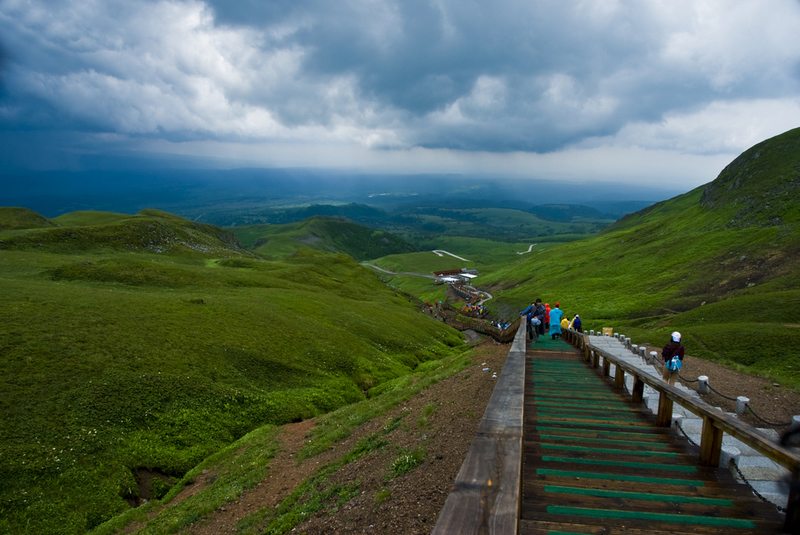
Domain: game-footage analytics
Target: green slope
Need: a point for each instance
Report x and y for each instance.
(719, 262)
(14, 218)
(121, 352)
(148, 231)
(324, 234)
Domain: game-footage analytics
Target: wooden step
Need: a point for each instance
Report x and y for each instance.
(595, 463)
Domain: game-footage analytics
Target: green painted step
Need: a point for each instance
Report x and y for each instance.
(571, 402)
(638, 496)
(620, 477)
(597, 406)
(561, 392)
(605, 441)
(604, 417)
(645, 432)
(592, 415)
(578, 396)
(585, 449)
(657, 517)
(627, 464)
(612, 426)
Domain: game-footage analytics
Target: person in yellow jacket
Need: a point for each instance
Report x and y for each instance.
(564, 323)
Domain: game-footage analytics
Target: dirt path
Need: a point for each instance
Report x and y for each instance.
(406, 504)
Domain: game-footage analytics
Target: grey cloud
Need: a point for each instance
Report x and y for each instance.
(469, 75)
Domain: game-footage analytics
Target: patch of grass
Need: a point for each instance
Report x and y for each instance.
(382, 495)
(237, 467)
(338, 424)
(407, 461)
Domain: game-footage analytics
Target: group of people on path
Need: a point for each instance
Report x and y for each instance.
(541, 316)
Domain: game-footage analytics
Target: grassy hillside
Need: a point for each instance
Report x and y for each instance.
(324, 234)
(21, 218)
(148, 231)
(143, 344)
(719, 263)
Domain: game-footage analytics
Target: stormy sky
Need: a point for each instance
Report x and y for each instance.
(630, 91)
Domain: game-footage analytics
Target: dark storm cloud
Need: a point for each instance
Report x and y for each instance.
(398, 74)
(568, 69)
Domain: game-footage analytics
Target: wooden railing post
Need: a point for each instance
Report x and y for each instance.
(596, 359)
(638, 389)
(606, 367)
(792, 522)
(619, 377)
(664, 417)
(710, 443)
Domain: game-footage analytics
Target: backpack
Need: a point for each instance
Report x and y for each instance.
(674, 363)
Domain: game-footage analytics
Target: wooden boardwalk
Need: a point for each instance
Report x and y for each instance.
(593, 463)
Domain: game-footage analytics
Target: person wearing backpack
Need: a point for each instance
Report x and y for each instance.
(673, 359)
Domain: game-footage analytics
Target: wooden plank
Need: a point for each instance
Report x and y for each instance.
(638, 390)
(619, 378)
(710, 443)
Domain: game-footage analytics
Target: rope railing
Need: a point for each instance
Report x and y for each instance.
(749, 408)
(720, 394)
(745, 406)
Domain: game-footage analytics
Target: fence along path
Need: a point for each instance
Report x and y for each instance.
(595, 463)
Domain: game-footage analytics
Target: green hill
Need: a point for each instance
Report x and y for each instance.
(148, 231)
(143, 344)
(326, 234)
(719, 262)
(21, 218)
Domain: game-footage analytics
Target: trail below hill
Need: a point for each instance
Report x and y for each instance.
(373, 266)
(439, 252)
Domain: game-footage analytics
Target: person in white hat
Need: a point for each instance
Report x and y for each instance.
(673, 359)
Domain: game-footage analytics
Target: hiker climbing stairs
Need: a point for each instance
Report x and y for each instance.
(594, 462)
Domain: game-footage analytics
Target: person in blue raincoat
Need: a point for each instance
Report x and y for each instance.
(555, 322)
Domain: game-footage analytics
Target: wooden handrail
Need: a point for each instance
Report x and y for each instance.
(486, 494)
(715, 422)
(501, 335)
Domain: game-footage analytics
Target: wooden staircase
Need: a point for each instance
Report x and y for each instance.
(593, 463)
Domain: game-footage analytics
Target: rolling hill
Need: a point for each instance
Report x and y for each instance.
(325, 234)
(719, 262)
(136, 346)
